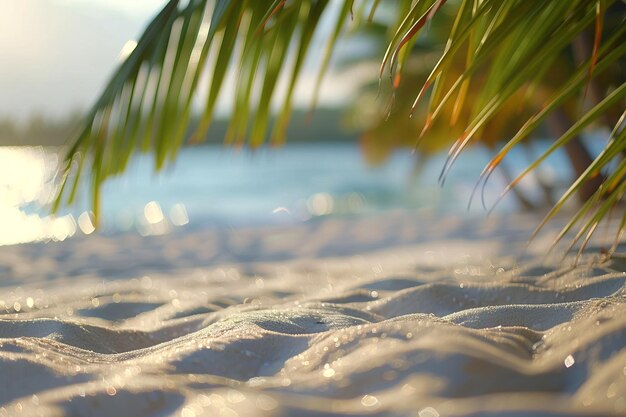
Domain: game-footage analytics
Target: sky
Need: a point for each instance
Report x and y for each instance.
(56, 55)
(137, 8)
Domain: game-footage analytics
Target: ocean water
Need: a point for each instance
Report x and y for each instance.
(213, 186)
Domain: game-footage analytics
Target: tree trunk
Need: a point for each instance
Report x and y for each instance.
(579, 156)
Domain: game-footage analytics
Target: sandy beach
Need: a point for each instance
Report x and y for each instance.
(385, 315)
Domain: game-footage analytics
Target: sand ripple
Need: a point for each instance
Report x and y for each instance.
(407, 331)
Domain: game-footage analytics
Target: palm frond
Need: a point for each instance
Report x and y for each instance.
(147, 104)
(505, 47)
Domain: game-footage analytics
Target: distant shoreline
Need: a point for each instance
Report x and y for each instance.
(323, 125)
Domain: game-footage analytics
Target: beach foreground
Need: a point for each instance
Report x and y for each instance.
(392, 315)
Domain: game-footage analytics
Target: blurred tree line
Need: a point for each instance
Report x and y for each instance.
(37, 130)
(325, 125)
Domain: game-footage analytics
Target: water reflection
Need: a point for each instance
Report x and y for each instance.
(27, 188)
(153, 221)
(25, 181)
(86, 222)
(320, 204)
(178, 215)
(213, 187)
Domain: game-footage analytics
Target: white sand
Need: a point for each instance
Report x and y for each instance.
(387, 316)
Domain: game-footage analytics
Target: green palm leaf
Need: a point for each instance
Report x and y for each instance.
(504, 47)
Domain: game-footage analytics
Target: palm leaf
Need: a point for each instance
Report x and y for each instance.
(505, 48)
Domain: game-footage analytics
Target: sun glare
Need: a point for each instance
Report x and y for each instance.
(24, 177)
(127, 49)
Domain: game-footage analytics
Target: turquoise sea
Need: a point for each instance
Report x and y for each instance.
(213, 186)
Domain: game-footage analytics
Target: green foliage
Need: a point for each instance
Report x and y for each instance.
(496, 54)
